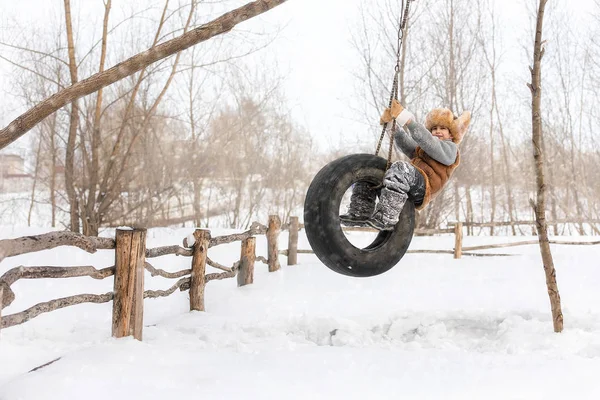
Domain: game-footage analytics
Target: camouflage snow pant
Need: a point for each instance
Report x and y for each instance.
(401, 182)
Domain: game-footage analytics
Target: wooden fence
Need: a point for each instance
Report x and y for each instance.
(131, 257)
(455, 228)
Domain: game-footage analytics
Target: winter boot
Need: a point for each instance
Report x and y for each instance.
(387, 212)
(362, 204)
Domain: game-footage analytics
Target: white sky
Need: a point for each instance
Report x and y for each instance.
(315, 48)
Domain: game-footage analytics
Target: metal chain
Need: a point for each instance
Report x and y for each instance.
(395, 84)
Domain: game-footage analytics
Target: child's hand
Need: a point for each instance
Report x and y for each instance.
(396, 111)
(391, 113)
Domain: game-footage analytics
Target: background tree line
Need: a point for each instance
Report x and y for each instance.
(206, 137)
(455, 54)
(189, 138)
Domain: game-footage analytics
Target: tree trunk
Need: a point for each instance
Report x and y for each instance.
(91, 222)
(293, 241)
(73, 124)
(35, 179)
(470, 217)
(540, 206)
(492, 150)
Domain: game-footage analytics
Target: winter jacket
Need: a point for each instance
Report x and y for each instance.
(435, 159)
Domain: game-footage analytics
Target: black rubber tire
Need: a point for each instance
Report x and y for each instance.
(322, 222)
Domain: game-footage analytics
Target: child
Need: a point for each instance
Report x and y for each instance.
(434, 156)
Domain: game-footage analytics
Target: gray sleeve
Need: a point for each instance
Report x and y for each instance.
(443, 151)
(404, 142)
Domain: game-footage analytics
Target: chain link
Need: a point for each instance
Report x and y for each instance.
(395, 84)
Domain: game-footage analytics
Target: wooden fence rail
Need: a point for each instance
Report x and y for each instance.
(131, 257)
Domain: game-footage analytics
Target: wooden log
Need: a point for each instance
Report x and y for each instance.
(222, 275)
(30, 244)
(152, 294)
(128, 305)
(161, 272)
(458, 238)
(272, 243)
(216, 265)
(255, 229)
(293, 242)
(198, 279)
(48, 306)
(43, 272)
(162, 251)
(248, 256)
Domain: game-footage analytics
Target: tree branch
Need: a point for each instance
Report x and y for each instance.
(221, 25)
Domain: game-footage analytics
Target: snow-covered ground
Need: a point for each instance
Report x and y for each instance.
(431, 328)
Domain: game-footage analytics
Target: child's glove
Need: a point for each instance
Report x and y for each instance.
(396, 111)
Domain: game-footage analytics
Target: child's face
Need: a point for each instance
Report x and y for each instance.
(441, 133)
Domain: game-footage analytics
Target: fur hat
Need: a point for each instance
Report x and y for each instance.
(444, 117)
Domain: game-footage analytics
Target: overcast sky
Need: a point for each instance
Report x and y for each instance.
(314, 47)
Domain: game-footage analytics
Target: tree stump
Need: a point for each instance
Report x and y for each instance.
(293, 241)
(246, 273)
(128, 304)
(272, 243)
(198, 279)
(458, 237)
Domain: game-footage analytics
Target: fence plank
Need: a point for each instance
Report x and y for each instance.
(198, 279)
(293, 242)
(128, 304)
(246, 272)
(272, 243)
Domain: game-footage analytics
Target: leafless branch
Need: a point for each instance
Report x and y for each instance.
(221, 25)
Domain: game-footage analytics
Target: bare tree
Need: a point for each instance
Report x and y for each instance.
(221, 25)
(102, 159)
(540, 205)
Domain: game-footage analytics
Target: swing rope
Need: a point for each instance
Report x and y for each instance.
(395, 84)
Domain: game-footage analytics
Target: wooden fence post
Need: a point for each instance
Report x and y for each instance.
(293, 242)
(128, 303)
(198, 279)
(272, 239)
(458, 237)
(246, 273)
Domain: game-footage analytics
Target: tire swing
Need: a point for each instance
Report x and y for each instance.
(324, 197)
